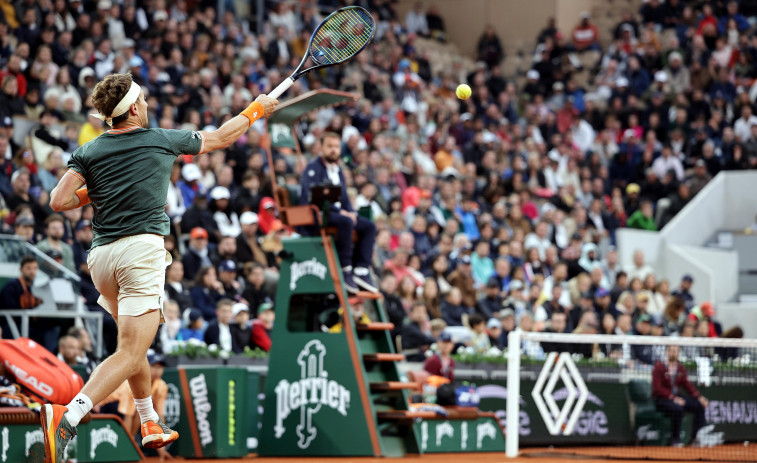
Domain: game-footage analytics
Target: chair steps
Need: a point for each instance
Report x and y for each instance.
(382, 357)
(398, 415)
(375, 326)
(393, 386)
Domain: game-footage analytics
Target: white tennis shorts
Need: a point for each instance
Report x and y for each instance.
(130, 274)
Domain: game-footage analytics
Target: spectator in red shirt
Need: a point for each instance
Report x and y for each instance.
(441, 363)
(669, 380)
(585, 34)
(263, 325)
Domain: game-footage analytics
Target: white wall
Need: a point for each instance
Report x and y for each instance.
(727, 203)
(741, 314)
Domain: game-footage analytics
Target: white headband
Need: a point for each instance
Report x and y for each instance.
(129, 99)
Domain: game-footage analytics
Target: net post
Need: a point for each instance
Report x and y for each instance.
(513, 393)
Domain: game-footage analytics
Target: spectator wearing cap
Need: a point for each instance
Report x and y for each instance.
(198, 215)
(705, 312)
(197, 253)
(189, 183)
(54, 241)
(194, 326)
(241, 331)
(517, 299)
(227, 275)
(678, 76)
(266, 214)
(462, 279)
(248, 247)
(206, 292)
(24, 227)
(602, 301)
(491, 302)
(226, 220)
(441, 363)
(262, 326)
(495, 333)
(218, 331)
(701, 177)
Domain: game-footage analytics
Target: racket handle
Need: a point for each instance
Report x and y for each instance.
(283, 87)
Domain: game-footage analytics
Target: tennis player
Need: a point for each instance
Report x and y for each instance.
(126, 171)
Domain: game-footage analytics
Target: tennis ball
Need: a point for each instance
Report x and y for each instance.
(463, 91)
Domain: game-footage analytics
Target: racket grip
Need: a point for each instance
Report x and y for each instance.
(283, 87)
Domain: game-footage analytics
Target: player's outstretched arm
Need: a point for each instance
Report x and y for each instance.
(68, 193)
(230, 132)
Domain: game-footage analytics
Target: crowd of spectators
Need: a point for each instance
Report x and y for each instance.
(499, 212)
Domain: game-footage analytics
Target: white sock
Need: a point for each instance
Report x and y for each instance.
(146, 410)
(80, 406)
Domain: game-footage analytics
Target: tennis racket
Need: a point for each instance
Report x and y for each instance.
(342, 35)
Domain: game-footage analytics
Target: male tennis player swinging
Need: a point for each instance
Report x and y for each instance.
(126, 171)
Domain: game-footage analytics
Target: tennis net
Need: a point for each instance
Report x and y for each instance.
(632, 397)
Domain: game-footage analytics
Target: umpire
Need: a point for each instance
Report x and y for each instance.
(325, 170)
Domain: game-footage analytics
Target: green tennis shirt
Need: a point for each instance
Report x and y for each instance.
(127, 174)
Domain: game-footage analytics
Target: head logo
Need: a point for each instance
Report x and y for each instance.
(308, 394)
(173, 406)
(308, 267)
(100, 436)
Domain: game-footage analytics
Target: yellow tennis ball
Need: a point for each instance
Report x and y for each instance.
(463, 91)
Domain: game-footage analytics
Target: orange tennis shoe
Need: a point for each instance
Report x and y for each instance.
(57, 431)
(157, 435)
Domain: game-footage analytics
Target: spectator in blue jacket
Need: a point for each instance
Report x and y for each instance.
(732, 12)
(325, 170)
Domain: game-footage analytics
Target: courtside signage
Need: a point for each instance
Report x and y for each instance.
(309, 394)
(308, 267)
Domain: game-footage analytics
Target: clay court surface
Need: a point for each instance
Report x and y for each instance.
(536, 455)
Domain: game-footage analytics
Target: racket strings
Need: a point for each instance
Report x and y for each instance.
(342, 36)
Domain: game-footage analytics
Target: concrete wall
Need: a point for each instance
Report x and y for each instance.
(727, 203)
(517, 22)
(741, 314)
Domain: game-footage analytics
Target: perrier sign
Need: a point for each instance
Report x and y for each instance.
(313, 404)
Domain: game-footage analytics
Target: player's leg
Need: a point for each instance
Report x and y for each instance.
(366, 232)
(134, 338)
(155, 433)
(343, 242)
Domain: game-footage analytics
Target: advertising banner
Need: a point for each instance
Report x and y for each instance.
(313, 404)
(100, 440)
(208, 407)
(593, 426)
(452, 436)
